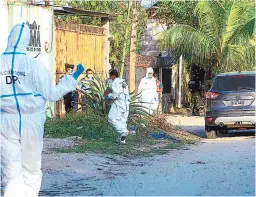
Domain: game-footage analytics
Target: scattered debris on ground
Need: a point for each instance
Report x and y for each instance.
(198, 162)
(162, 135)
(91, 133)
(161, 123)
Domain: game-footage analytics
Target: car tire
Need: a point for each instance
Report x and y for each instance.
(211, 133)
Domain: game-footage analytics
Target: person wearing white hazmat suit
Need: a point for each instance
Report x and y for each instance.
(148, 90)
(26, 85)
(119, 111)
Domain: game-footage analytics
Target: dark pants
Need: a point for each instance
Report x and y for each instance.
(71, 101)
(67, 102)
(83, 103)
(196, 101)
(75, 100)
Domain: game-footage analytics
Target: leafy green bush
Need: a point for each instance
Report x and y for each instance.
(87, 125)
(98, 87)
(96, 97)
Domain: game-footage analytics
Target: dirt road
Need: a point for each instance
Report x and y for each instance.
(225, 166)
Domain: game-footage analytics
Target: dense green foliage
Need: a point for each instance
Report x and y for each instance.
(224, 39)
(118, 24)
(177, 12)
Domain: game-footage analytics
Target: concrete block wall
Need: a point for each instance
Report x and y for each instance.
(150, 45)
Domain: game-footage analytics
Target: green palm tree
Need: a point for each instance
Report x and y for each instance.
(224, 39)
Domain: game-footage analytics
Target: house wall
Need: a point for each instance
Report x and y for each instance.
(150, 45)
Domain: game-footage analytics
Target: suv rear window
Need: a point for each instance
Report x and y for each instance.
(235, 83)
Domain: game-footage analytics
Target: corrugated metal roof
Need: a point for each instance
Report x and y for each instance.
(148, 3)
(58, 10)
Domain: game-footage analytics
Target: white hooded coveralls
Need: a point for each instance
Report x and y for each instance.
(148, 90)
(119, 111)
(26, 84)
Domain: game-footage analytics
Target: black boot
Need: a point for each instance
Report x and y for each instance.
(123, 139)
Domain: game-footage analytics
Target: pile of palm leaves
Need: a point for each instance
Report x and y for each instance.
(96, 100)
(160, 122)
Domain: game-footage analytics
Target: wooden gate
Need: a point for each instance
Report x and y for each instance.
(78, 43)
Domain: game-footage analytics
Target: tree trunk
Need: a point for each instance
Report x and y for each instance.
(132, 64)
(125, 39)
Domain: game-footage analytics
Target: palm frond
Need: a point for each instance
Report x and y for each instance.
(244, 33)
(238, 58)
(231, 58)
(137, 108)
(96, 96)
(189, 42)
(135, 97)
(239, 21)
(139, 112)
(250, 57)
(211, 16)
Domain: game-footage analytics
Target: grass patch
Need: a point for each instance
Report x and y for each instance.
(99, 137)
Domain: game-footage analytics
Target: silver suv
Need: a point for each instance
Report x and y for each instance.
(230, 103)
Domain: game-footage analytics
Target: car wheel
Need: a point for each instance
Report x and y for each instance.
(211, 133)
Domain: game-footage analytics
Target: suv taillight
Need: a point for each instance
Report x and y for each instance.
(212, 95)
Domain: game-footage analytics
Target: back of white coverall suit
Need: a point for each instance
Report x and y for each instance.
(26, 84)
(119, 111)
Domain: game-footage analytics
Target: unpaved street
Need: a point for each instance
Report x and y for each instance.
(225, 166)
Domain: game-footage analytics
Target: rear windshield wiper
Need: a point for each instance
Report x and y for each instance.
(245, 88)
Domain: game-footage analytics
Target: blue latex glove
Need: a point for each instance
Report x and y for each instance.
(79, 71)
(94, 106)
(107, 98)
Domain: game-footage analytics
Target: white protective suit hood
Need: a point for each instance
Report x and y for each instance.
(149, 70)
(19, 32)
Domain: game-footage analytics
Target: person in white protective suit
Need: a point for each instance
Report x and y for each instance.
(119, 111)
(26, 85)
(148, 90)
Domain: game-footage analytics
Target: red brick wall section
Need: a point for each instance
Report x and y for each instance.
(142, 61)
